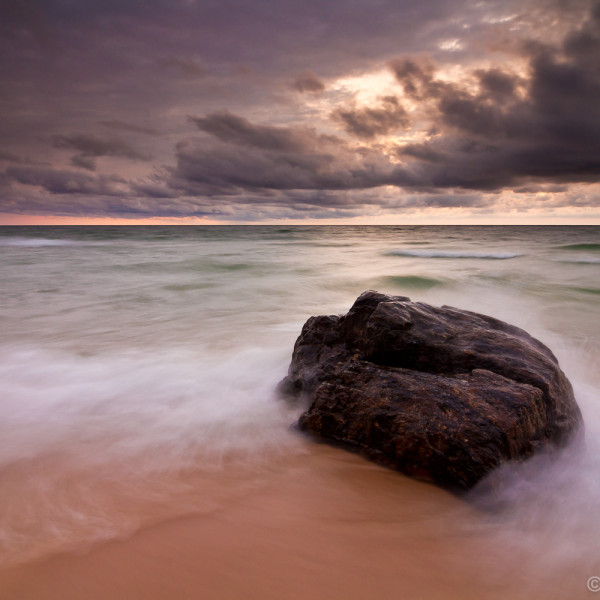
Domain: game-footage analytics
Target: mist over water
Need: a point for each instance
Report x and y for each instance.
(137, 362)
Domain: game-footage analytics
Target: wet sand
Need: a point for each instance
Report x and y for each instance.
(323, 524)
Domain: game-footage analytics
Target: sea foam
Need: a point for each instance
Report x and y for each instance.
(84, 438)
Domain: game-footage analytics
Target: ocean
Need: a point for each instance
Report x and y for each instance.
(138, 368)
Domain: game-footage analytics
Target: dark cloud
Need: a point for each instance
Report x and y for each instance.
(369, 122)
(416, 76)
(496, 138)
(307, 81)
(234, 129)
(123, 126)
(471, 114)
(9, 157)
(84, 161)
(514, 105)
(153, 189)
(424, 152)
(506, 131)
(488, 139)
(90, 147)
(442, 200)
(497, 84)
(250, 156)
(58, 181)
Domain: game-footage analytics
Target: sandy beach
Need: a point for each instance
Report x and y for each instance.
(145, 455)
(325, 524)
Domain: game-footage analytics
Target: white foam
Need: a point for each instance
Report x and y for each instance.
(124, 404)
(83, 437)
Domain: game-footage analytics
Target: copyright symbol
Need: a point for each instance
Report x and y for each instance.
(593, 584)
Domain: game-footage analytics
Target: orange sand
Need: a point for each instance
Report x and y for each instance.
(325, 524)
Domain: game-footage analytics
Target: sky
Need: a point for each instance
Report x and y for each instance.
(299, 111)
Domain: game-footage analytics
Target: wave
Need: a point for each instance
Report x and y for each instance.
(455, 254)
(586, 290)
(175, 266)
(188, 287)
(98, 434)
(413, 281)
(582, 261)
(584, 247)
(35, 242)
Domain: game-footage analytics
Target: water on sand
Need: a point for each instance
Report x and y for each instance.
(138, 418)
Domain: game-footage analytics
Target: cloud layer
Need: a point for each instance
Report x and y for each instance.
(296, 110)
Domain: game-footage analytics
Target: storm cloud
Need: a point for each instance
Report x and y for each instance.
(513, 129)
(58, 181)
(90, 147)
(369, 122)
(298, 109)
(307, 81)
(246, 156)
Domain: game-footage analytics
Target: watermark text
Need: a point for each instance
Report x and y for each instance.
(593, 583)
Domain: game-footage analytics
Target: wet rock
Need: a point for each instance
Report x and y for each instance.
(441, 394)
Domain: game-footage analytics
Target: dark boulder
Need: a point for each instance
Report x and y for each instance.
(441, 394)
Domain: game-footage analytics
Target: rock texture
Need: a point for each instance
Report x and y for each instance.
(441, 394)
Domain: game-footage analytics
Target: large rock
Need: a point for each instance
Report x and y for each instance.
(442, 394)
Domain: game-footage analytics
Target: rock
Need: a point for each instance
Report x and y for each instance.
(441, 394)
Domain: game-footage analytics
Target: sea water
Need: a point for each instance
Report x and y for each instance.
(138, 362)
